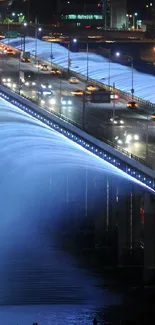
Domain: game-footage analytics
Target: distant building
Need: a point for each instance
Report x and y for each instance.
(105, 13)
(114, 13)
(118, 13)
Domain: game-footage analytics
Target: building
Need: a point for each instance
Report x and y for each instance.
(105, 13)
(114, 13)
(118, 10)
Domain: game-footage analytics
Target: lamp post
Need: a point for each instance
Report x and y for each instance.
(36, 36)
(19, 80)
(51, 54)
(133, 19)
(86, 81)
(132, 71)
(113, 113)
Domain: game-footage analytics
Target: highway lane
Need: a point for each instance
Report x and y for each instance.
(97, 115)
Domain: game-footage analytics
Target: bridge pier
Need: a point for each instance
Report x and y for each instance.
(124, 222)
(137, 252)
(102, 220)
(149, 237)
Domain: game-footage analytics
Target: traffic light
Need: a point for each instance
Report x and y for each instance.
(99, 5)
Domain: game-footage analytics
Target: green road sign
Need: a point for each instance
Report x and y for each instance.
(11, 34)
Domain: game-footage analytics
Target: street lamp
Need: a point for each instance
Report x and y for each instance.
(133, 17)
(69, 59)
(117, 54)
(132, 71)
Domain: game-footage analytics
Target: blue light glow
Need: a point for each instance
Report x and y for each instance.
(98, 67)
(42, 181)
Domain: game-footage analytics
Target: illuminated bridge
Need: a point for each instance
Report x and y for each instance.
(57, 178)
(97, 65)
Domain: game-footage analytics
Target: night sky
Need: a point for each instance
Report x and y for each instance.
(45, 9)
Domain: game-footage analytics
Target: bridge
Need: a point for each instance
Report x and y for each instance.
(122, 201)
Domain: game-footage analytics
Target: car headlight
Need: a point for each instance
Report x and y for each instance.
(49, 86)
(115, 122)
(26, 83)
(69, 102)
(4, 80)
(9, 84)
(8, 80)
(136, 137)
(120, 142)
(43, 86)
(121, 122)
(129, 137)
(42, 101)
(14, 85)
(33, 83)
(63, 102)
(52, 101)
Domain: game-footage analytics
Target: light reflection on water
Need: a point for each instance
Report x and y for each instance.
(49, 315)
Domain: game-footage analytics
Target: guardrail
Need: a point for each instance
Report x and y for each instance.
(146, 105)
(101, 85)
(110, 143)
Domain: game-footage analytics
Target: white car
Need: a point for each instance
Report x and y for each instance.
(116, 120)
(30, 83)
(73, 80)
(66, 101)
(46, 85)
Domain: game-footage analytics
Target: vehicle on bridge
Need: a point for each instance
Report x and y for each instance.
(66, 101)
(117, 121)
(91, 88)
(114, 96)
(56, 72)
(132, 105)
(44, 67)
(46, 97)
(10, 51)
(73, 80)
(26, 57)
(46, 85)
(126, 139)
(77, 92)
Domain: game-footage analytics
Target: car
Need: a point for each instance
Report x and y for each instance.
(44, 67)
(153, 116)
(30, 83)
(127, 139)
(56, 72)
(132, 104)
(117, 121)
(66, 101)
(10, 52)
(114, 96)
(77, 92)
(73, 80)
(6, 80)
(46, 85)
(91, 88)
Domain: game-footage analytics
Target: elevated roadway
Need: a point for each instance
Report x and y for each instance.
(97, 115)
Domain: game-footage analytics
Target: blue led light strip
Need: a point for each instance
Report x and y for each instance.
(103, 154)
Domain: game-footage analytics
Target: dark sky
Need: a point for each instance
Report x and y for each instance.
(46, 8)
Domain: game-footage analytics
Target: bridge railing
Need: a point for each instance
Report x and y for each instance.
(110, 143)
